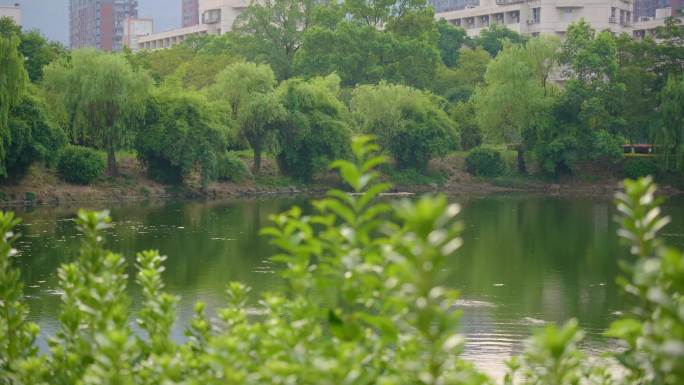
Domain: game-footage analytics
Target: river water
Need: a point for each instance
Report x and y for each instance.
(527, 261)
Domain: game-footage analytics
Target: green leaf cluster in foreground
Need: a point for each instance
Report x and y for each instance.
(364, 304)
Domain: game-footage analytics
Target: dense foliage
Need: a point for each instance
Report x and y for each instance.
(182, 133)
(364, 301)
(34, 136)
(485, 162)
(316, 128)
(80, 165)
(248, 90)
(231, 168)
(640, 166)
(13, 79)
(410, 124)
(100, 98)
(497, 88)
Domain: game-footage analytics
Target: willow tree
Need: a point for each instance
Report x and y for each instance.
(516, 99)
(13, 80)
(671, 135)
(248, 89)
(101, 99)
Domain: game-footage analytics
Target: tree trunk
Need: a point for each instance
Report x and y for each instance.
(257, 161)
(112, 170)
(521, 160)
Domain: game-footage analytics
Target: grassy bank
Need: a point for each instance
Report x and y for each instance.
(43, 186)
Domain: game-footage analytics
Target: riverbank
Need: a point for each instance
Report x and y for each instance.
(447, 175)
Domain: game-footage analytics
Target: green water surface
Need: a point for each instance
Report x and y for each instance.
(527, 261)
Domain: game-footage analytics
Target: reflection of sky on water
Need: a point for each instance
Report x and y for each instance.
(526, 262)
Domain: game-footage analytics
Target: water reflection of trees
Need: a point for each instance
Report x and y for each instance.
(556, 258)
(208, 245)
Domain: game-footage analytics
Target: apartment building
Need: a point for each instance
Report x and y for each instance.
(216, 17)
(100, 23)
(190, 13)
(136, 28)
(546, 17)
(452, 5)
(12, 11)
(647, 26)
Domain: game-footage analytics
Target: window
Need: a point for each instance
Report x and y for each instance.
(212, 16)
(536, 15)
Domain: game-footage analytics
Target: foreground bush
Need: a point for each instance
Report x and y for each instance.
(80, 165)
(363, 303)
(485, 162)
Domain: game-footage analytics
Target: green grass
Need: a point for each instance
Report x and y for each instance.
(275, 181)
(413, 177)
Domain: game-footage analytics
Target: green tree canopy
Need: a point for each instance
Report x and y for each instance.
(514, 103)
(410, 124)
(36, 50)
(13, 81)
(247, 89)
(588, 116)
(671, 136)
(450, 41)
(493, 38)
(671, 48)
(272, 32)
(35, 137)
(458, 84)
(194, 68)
(101, 99)
(182, 133)
(316, 129)
(362, 54)
(380, 13)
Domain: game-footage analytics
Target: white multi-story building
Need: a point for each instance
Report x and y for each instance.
(547, 17)
(646, 26)
(135, 29)
(216, 17)
(11, 11)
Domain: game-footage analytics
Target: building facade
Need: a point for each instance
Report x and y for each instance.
(452, 5)
(216, 17)
(11, 11)
(647, 9)
(136, 28)
(546, 17)
(100, 23)
(190, 13)
(647, 26)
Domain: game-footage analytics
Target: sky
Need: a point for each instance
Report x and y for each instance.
(51, 18)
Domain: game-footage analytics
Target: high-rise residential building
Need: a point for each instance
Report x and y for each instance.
(190, 13)
(11, 11)
(100, 23)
